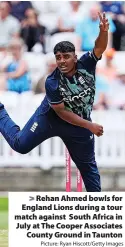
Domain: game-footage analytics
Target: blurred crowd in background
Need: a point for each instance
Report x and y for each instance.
(30, 30)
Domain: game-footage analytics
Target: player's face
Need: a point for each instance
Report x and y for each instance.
(66, 62)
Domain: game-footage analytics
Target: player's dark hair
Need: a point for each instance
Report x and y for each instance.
(64, 46)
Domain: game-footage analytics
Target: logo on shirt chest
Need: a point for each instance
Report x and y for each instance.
(78, 92)
(81, 80)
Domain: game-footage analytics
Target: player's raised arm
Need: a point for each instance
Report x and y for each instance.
(102, 40)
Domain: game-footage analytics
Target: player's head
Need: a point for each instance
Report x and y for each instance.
(66, 58)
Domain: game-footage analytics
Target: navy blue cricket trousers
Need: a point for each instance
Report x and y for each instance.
(79, 141)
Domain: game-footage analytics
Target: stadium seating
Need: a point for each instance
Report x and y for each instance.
(37, 65)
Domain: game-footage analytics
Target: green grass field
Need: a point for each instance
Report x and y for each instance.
(3, 222)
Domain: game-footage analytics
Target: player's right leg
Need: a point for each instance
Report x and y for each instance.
(80, 144)
(83, 155)
(34, 132)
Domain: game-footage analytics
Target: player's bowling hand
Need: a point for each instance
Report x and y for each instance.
(96, 129)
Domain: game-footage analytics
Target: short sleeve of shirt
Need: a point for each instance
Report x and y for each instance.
(52, 91)
(89, 60)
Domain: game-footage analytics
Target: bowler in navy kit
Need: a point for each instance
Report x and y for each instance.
(66, 108)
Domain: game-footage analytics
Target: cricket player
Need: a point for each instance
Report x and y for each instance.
(66, 108)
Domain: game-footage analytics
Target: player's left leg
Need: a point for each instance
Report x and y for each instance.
(35, 131)
(81, 149)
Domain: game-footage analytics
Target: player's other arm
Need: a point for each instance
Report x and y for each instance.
(102, 40)
(74, 119)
